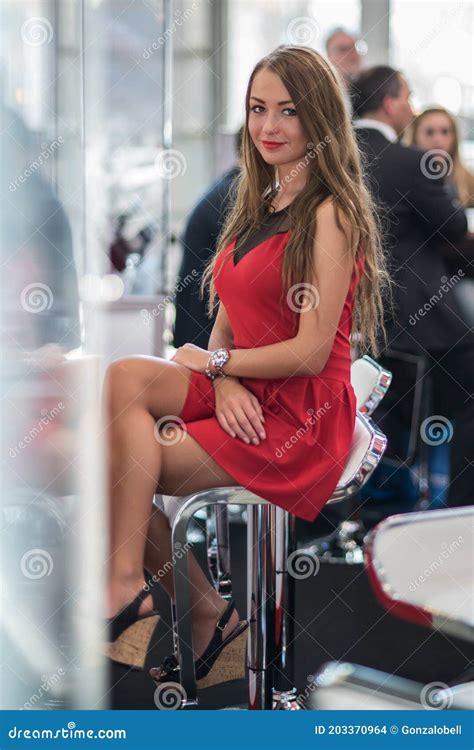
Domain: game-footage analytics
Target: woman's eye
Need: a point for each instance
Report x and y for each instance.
(291, 111)
(255, 107)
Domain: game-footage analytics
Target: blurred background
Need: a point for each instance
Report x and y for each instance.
(117, 116)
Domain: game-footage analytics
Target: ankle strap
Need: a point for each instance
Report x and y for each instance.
(222, 622)
(141, 596)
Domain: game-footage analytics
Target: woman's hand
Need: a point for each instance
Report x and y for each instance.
(192, 356)
(238, 411)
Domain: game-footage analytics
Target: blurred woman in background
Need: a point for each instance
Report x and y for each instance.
(436, 129)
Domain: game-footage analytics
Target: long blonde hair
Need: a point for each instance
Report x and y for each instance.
(334, 170)
(462, 178)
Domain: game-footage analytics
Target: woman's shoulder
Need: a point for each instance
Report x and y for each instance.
(330, 215)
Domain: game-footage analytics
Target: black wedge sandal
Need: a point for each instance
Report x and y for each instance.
(222, 661)
(130, 634)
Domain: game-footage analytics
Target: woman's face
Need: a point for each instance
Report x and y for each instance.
(274, 126)
(435, 131)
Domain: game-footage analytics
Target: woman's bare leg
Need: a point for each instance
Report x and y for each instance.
(139, 391)
(206, 604)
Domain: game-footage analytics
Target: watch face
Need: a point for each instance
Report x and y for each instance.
(220, 357)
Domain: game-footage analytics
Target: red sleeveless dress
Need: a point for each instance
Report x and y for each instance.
(309, 420)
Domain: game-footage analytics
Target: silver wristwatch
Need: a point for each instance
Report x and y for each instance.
(216, 362)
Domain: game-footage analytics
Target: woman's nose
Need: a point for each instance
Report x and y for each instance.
(271, 124)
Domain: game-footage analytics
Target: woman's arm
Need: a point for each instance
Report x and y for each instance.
(221, 334)
(308, 352)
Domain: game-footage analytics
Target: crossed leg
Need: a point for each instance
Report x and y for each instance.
(140, 391)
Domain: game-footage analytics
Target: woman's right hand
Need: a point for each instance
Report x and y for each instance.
(238, 410)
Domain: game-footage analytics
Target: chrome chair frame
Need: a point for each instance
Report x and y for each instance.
(270, 588)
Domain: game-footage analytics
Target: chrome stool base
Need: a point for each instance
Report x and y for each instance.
(286, 700)
(269, 536)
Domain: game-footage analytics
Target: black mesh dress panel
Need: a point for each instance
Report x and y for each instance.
(274, 223)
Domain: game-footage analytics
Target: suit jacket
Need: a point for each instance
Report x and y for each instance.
(199, 245)
(417, 212)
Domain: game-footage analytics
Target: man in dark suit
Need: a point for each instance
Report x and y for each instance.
(417, 214)
(199, 245)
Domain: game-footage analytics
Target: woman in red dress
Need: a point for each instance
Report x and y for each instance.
(270, 405)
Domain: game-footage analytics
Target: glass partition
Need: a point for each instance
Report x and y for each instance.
(83, 225)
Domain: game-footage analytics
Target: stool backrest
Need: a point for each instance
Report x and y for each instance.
(370, 382)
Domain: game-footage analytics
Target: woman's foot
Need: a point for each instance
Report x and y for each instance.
(131, 622)
(204, 626)
(221, 658)
(123, 591)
